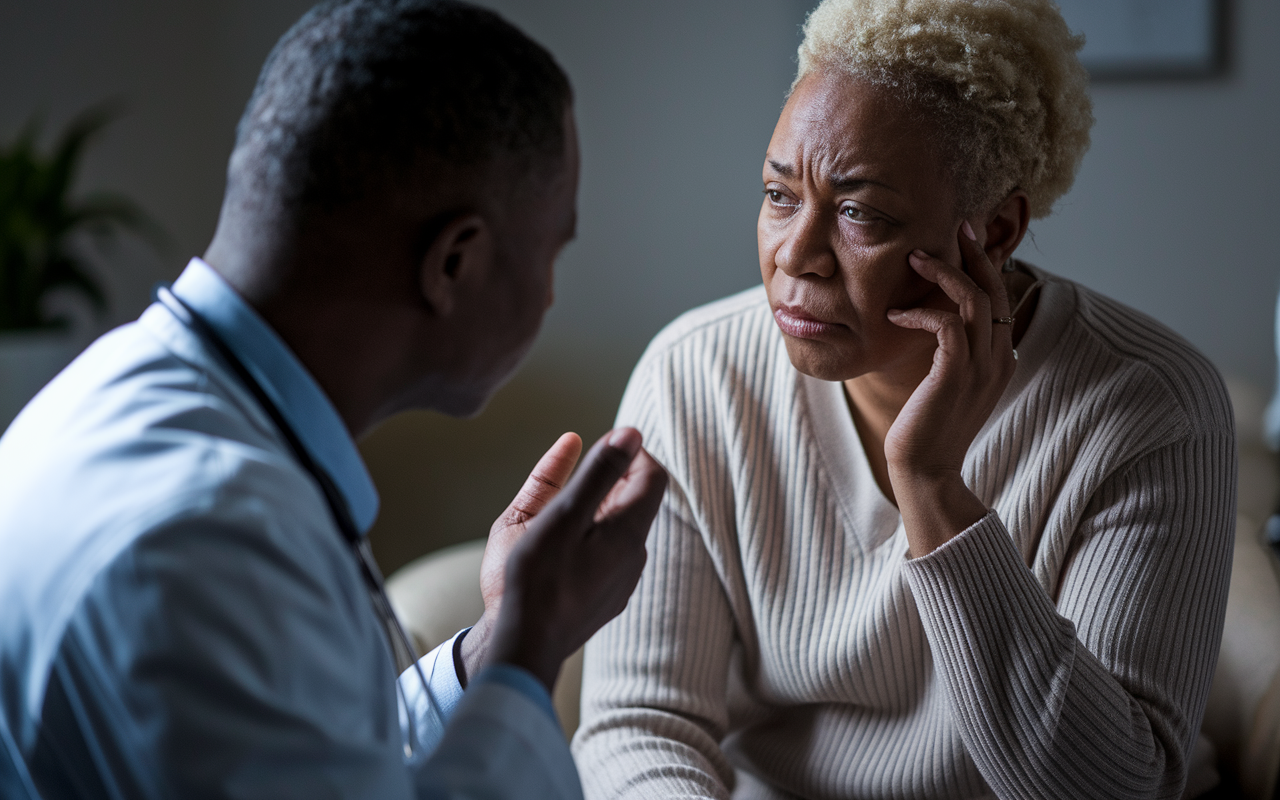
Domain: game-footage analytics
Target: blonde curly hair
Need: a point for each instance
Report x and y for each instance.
(999, 78)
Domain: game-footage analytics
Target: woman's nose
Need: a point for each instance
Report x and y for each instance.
(806, 248)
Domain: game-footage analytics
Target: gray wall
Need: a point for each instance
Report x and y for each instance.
(676, 102)
(1175, 210)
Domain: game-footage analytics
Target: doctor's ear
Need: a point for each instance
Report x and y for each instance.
(1006, 226)
(461, 250)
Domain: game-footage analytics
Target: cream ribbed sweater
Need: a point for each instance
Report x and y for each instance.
(1061, 647)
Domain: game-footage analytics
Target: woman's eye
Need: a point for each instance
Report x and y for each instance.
(856, 214)
(778, 198)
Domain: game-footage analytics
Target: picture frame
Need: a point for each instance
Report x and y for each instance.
(1146, 39)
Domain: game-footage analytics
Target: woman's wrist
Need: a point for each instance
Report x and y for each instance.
(935, 506)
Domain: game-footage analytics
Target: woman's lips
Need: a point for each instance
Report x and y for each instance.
(794, 322)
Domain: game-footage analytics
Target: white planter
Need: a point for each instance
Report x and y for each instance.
(29, 360)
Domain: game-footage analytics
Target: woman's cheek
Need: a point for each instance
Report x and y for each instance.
(878, 270)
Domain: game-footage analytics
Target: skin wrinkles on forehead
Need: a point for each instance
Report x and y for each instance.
(828, 147)
(839, 182)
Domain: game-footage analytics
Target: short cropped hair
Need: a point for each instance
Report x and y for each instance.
(999, 78)
(361, 91)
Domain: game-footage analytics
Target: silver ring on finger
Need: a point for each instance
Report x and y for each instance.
(1002, 320)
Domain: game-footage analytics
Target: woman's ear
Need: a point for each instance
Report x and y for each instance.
(460, 252)
(1006, 227)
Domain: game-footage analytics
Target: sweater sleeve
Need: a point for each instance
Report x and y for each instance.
(1101, 693)
(653, 686)
(654, 705)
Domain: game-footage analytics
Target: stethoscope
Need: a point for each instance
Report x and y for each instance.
(402, 649)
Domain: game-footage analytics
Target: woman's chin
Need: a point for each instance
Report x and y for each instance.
(823, 360)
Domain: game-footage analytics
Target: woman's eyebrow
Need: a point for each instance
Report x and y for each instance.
(840, 183)
(785, 170)
(851, 182)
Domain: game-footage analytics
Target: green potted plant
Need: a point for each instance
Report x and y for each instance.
(45, 236)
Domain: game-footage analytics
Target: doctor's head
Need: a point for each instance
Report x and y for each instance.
(908, 118)
(418, 158)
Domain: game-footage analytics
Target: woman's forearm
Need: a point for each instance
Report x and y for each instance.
(1039, 715)
(1097, 690)
(934, 508)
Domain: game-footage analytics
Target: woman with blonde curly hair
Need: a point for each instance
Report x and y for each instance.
(940, 524)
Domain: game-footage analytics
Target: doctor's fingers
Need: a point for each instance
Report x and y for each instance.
(549, 475)
(606, 563)
(575, 507)
(639, 491)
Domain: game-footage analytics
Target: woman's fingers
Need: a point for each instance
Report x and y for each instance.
(953, 336)
(975, 305)
(983, 272)
(987, 277)
(977, 289)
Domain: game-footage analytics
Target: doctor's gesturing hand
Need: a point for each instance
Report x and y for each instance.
(926, 446)
(561, 562)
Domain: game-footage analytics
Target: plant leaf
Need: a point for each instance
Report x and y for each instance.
(40, 224)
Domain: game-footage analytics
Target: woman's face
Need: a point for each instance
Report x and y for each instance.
(852, 185)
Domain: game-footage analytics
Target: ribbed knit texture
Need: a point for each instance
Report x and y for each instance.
(1062, 647)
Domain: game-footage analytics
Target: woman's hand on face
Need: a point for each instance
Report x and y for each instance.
(927, 443)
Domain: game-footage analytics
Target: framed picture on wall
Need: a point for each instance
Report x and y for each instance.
(1149, 38)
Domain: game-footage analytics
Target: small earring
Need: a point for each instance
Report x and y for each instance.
(1009, 265)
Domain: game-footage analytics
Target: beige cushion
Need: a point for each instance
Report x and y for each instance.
(438, 595)
(1260, 760)
(1202, 768)
(1259, 484)
(1242, 717)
